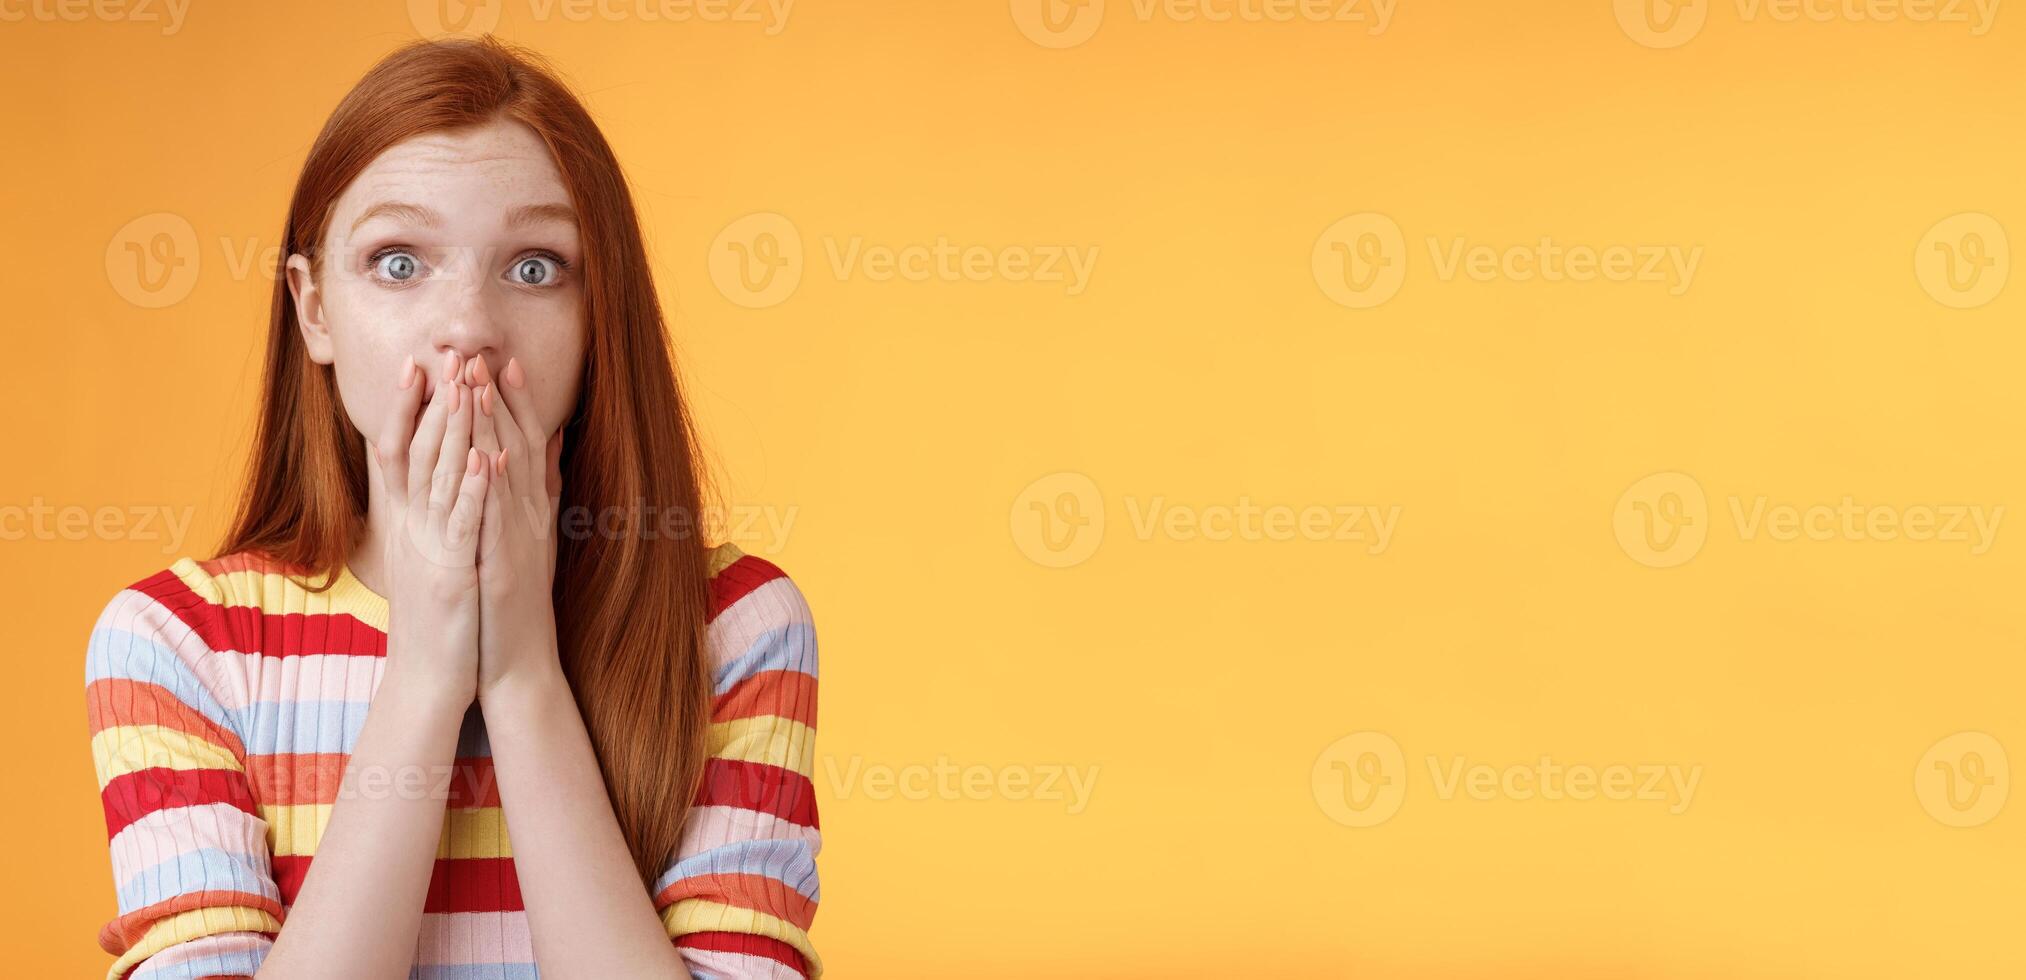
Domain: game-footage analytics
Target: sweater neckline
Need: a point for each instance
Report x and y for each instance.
(348, 594)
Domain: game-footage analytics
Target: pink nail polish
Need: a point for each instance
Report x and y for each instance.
(513, 374)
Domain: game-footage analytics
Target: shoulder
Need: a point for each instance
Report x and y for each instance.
(191, 600)
(759, 618)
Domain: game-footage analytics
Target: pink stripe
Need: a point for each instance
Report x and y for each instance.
(163, 834)
(314, 677)
(716, 826)
(451, 938)
(769, 607)
(221, 944)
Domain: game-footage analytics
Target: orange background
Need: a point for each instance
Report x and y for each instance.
(1236, 699)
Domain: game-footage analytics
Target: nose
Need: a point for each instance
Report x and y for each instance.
(466, 325)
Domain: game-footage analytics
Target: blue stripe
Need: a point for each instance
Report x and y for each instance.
(205, 869)
(473, 971)
(115, 652)
(272, 727)
(790, 647)
(790, 862)
(223, 965)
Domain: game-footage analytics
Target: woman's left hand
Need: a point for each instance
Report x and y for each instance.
(517, 535)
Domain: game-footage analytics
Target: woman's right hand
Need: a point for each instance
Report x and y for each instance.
(435, 483)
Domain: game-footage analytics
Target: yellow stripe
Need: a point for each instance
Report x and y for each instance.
(193, 924)
(702, 915)
(275, 594)
(122, 749)
(476, 833)
(771, 739)
(722, 556)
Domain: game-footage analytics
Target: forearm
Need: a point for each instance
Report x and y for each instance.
(360, 909)
(589, 915)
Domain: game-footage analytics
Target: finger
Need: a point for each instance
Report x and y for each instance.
(520, 400)
(426, 444)
(555, 468)
(484, 434)
(390, 450)
(456, 440)
(461, 527)
(506, 428)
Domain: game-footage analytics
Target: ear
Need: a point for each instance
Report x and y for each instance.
(309, 309)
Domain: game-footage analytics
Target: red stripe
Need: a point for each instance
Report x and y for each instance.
(273, 635)
(738, 579)
(772, 790)
(134, 795)
(790, 694)
(455, 884)
(747, 943)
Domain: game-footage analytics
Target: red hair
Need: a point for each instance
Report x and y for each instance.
(631, 608)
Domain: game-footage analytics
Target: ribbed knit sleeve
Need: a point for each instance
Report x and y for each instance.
(190, 855)
(740, 896)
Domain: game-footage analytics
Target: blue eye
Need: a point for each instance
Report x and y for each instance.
(536, 270)
(396, 266)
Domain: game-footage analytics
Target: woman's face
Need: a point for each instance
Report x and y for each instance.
(459, 241)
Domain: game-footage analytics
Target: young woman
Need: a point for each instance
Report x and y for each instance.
(444, 705)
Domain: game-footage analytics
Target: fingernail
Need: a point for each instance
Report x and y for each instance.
(471, 462)
(480, 371)
(449, 365)
(513, 374)
(499, 463)
(485, 400)
(407, 372)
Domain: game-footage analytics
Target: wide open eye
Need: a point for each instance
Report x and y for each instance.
(395, 265)
(536, 270)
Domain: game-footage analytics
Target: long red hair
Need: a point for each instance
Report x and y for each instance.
(631, 608)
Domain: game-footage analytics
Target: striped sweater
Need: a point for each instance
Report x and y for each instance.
(224, 700)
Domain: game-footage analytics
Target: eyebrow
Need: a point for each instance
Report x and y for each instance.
(526, 214)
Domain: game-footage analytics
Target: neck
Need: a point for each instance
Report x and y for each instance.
(368, 559)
